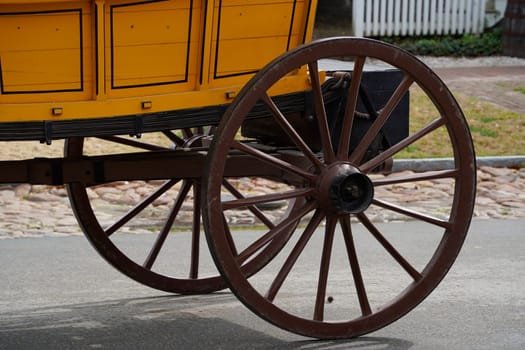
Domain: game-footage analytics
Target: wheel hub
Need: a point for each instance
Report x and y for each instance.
(343, 189)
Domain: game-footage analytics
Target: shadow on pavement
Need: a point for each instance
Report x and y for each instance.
(153, 323)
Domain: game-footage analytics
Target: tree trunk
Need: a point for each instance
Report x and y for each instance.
(513, 40)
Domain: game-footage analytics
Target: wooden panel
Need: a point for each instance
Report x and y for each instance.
(149, 43)
(41, 51)
(249, 34)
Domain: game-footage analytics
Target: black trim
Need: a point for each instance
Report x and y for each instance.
(190, 22)
(112, 53)
(235, 74)
(81, 51)
(96, 50)
(216, 58)
(112, 49)
(139, 125)
(291, 26)
(48, 132)
(203, 41)
(307, 19)
(1, 78)
(45, 131)
(81, 48)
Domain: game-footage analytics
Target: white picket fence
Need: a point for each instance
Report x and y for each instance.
(417, 17)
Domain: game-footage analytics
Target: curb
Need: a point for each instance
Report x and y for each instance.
(429, 164)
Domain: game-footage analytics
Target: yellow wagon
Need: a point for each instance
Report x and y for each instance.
(224, 106)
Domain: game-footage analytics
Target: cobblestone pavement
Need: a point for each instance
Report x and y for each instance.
(34, 211)
(29, 211)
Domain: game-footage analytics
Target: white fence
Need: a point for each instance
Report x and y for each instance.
(417, 17)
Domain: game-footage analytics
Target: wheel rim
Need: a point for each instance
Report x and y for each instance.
(339, 164)
(158, 264)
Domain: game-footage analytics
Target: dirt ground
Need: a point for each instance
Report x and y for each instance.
(503, 86)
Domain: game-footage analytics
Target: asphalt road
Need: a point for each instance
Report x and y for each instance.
(57, 293)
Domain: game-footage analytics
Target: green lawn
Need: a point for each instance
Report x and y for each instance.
(496, 131)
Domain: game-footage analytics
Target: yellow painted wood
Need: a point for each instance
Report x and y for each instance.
(98, 47)
(45, 51)
(249, 34)
(147, 46)
(105, 58)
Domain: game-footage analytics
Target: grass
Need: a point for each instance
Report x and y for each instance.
(519, 89)
(495, 131)
(483, 131)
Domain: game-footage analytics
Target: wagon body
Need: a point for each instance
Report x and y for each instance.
(239, 116)
(88, 60)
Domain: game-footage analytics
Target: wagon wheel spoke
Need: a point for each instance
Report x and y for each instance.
(290, 131)
(161, 238)
(255, 211)
(140, 207)
(195, 231)
(294, 255)
(374, 162)
(187, 132)
(350, 108)
(354, 265)
(174, 138)
(426, 176)
(273, 161)
(324, 268)
(245, 202)
(381, 119)
(412, 213)
(281, 228)
(320, 113)
(231, 242)
(389, 247)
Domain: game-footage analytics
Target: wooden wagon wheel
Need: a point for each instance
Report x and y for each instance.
(157, 264)
(382, 278)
